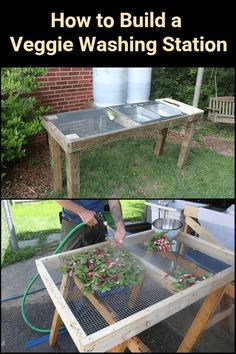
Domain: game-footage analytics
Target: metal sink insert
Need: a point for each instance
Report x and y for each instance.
(137, 113)
(88, 122)
(162, 109)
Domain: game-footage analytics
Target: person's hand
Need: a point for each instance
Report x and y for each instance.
(119, 235)
(88, 217)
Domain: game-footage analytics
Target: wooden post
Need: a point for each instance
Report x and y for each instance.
(136, 288)
(187, 230)
(225, 304)
(198, 86)
(161, 136)
(135, 293)
(56, 322)
(55, 154)
(189, 132)
(135, 345)
(73, 174)
(120, 348)
(200, 321)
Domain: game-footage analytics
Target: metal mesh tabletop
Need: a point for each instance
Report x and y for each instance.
(121, 303)
(98, 321)
(86, 122)
(117, 302)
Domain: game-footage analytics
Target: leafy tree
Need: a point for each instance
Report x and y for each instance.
(179, 83)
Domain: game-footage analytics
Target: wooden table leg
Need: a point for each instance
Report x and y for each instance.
(55, 153)
(119, 348)
(73, 174)
(161, 138)
(135, 292)
(56, 322)
(200, 321)
(135, 345)
(136, 288)
(226, 303)
(188, 137)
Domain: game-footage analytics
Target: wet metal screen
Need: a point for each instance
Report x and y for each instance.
(118, 302)
(87, 122)
(100, 309)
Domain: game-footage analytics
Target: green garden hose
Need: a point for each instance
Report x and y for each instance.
(63, 242)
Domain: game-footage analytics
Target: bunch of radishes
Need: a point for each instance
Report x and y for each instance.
(162, 244)
(159, 242)
(185, 279)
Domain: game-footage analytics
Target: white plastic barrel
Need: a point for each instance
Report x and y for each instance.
(109, 86)
(138, 85)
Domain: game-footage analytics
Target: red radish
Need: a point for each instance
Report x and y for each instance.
(71, 272)
(115, 276)
(100, 276)
(89, 275)
(100, 283)
(90, 266)
(186, 276)
(191, 283)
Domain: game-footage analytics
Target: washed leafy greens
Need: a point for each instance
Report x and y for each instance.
(102, 269)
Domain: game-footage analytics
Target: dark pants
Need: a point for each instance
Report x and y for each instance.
(82, 237)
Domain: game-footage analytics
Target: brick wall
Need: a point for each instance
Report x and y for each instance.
(65, 89)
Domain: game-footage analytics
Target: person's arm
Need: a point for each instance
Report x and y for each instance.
(116, 212)
(87, 216)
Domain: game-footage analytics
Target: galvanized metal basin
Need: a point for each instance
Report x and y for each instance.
(162, 109)
(138, 114)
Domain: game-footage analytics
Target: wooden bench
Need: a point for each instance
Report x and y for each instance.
(221, 110)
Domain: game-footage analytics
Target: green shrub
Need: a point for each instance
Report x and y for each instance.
(20, 110)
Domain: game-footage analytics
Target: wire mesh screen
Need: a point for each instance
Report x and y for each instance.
(119, 303)
(86, 122)
(153, 257)
(97, 310)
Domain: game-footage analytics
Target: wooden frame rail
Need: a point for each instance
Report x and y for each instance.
(118, 333)
(226, 304)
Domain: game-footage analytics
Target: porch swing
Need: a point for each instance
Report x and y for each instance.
(221, 109)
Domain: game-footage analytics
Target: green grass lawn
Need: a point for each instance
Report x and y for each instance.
(31, 220)
(39, 219)
(219, 129)
(36, 218)
(132, 210)
(129, 169)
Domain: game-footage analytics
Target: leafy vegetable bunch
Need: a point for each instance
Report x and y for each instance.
(159, 242)
(185, 279)
(102, 269)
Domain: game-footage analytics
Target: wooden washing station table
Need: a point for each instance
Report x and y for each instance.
(112, 321)
(80, 130)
